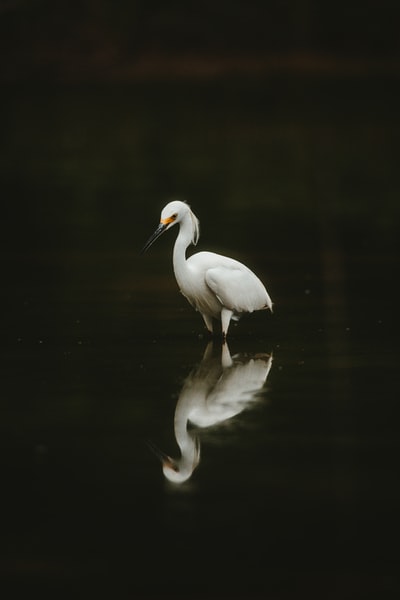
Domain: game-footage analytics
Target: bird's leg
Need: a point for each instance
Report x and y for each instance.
(226, 315)
(226, 359)
(209, 323)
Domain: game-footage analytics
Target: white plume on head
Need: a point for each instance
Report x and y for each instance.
(195, 222)
(178, 209)
(196, 228)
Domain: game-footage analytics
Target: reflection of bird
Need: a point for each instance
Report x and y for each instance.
(217, 390)
(217, 286)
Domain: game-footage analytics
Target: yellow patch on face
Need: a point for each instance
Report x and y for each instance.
(168, 220)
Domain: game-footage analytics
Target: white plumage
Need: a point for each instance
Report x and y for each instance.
(217, 390)
(217, 286)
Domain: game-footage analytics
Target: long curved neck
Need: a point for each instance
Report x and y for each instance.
(182, 241)
(187, 441)
(182, 435)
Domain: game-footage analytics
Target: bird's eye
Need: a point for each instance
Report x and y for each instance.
(174, 216)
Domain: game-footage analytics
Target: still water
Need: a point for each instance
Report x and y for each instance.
(280, 474)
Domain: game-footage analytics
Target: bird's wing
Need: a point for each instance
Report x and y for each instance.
(238, 385)
(237, 288)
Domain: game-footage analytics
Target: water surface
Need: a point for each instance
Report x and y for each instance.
(295, 495)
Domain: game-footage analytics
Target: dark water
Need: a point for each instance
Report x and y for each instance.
(295, 496)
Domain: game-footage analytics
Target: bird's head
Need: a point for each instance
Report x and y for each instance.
(181, 469)
(173, 213)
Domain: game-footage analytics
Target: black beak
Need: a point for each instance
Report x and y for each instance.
(160, 229)
(162, 456)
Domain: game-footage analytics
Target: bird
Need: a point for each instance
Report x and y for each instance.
(218, 389)
(218, 287)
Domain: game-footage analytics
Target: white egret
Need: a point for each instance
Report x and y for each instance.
(218, 389)
(217, 286)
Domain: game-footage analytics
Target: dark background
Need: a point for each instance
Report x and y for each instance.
(279, 123)
(102, 41)
(70, 71)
